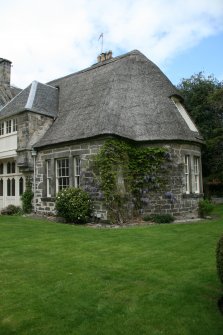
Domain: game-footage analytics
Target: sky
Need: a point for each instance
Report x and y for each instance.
(48, 39)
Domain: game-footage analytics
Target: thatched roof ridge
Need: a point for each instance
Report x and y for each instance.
(38, 98)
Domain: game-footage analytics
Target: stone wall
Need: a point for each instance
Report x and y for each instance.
(84, 150)
(31, 127)
(170, 198)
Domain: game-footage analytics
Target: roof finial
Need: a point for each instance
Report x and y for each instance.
(102, 38)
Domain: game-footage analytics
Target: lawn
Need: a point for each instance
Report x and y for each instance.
(58, 279)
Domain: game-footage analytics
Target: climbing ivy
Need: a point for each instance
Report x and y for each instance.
(126, 174)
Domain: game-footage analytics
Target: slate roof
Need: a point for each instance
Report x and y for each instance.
(127, 96)
(7, 93)
(37, 97)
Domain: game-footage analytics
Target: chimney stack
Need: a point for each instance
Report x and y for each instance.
(104, 56)
(5, 72)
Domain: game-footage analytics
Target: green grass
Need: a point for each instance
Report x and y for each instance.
(60, 279)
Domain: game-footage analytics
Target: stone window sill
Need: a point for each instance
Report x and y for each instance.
(193, 195)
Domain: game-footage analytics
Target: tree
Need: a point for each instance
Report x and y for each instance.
(204, 102)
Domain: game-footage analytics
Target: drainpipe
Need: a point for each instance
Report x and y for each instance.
(34, 153)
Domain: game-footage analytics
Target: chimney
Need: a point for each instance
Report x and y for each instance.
(5, 71)
(104, 56)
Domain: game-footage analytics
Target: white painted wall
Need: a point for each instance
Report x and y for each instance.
(8, 146)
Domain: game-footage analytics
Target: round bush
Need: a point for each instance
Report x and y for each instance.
(74, 205)
(11, 210)
(219, 258)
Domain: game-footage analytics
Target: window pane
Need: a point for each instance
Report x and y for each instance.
(1, 128)
(13, 167)
(14, 121)
(76, 171)
(1, 187)
(196, 175)
(1, 168)
(21, 186)
(13, 187)
(8, 187)
(8, 167)
(187, 174)
(48, 178)
(62, 173)
(8, 127)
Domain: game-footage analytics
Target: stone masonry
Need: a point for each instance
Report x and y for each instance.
(170, 198)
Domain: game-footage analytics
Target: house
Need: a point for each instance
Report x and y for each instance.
(49, 132)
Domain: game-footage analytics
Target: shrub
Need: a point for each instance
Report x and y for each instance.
(11, 210)
(219, 258)
(74, 205)
(27, 200)
(205, 207)
(159, 218)
(148, 218)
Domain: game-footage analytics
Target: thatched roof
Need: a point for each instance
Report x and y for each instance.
(127, 96)
(37, 97)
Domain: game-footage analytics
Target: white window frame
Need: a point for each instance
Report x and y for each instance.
(62, 174)
(196, 161)
(187, 173)
(8, 126)
(77, 171)
(48, 178)
(14, 125)
(2, 128)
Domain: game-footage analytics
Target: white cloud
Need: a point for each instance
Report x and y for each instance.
(46, 39)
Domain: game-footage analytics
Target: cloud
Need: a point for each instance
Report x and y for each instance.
(46, 39)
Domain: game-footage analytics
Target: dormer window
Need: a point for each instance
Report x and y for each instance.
(184, 113)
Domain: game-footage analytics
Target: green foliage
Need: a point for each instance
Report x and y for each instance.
(205, 207)
(26, 198)
(204, 102)
(11, 210)
(74, 205)
(159, 218)
(219, 258)
(126, 172)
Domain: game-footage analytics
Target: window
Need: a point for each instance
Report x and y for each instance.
(196, 175)
(1, 128)
(8, 187)
(8, 167)
(8, 126)
(1, 168)
(62, 174)
(187, 173)
(11, 187)
(13, 167)
(77, 167)
(1, 187)
(48, 178)
(14, 125)
(21, 186)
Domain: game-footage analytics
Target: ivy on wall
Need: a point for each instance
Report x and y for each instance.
(126, 174)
